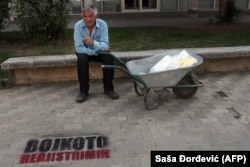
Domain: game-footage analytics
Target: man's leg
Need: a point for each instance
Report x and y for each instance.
(108, 75)
(83, 76)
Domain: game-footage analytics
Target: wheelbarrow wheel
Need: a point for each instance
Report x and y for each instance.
(188, 89)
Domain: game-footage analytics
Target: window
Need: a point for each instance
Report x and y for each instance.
(108, 6)
(140, 5)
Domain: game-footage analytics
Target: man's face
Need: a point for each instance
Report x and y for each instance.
(89, 18)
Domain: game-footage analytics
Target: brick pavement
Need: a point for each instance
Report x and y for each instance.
(216, 118)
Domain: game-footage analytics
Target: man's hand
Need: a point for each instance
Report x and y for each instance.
(106, 50)
(88, 41)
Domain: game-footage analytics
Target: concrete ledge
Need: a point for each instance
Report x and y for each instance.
(37, 69)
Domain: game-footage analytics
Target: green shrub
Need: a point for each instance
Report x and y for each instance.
(43, 19)
(4, 13)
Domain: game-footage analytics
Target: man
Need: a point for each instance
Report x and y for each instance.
(90, 36)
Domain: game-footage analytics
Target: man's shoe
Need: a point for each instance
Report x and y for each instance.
(112, 94)
(82, 97)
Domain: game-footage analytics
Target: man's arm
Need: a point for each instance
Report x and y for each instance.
(101, 42)
(79, 44)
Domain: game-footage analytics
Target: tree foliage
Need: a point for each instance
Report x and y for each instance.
(43, 19)
(4, 13)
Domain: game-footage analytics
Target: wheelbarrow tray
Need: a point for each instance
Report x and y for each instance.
(167, 78)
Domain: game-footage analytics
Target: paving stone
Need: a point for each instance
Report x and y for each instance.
(207, 121)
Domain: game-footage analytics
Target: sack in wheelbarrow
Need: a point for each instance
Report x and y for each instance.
(180, 60)
(165, 69)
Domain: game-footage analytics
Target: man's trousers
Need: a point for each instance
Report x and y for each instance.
(83, 71)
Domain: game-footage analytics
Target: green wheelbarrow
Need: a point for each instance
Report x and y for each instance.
(183, 81)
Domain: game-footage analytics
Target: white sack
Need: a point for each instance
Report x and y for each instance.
(165, 63)
(184, 59)
(181, 60)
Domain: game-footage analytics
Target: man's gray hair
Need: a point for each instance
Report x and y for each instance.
(90, 8)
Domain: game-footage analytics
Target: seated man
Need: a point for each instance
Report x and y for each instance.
(90, 36)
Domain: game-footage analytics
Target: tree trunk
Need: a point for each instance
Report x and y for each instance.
(223, 7)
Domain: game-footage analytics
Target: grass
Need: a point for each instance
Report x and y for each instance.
(132, 39)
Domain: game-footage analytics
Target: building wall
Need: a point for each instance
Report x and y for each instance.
(125, 6)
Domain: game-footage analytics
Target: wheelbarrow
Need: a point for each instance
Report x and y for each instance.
(183, 81)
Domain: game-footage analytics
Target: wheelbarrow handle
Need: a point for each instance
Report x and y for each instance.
(128, 73)
(114, 57)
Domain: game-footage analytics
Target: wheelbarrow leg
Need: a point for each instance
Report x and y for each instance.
(139, 90)
(155, 104)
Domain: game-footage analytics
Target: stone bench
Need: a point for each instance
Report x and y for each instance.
(39, 69)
